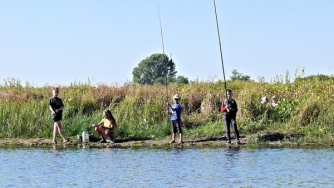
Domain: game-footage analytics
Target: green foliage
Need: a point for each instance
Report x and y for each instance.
(239, 76)
(157, 69)
(319, 77)
(182, 80)
(212, 130)
(154, 69)
(87, 107)
(305, 109)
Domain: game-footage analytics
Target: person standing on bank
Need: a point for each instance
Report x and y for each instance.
(175, 111)
(56, 106)
(230, 108)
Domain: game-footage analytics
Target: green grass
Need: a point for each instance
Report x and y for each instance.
(305, 108)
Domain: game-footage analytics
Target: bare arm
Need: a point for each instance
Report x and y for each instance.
(52, 109)
(96, 125)
(168, 106)
(56, 110)
(111, 125)
(59, 109)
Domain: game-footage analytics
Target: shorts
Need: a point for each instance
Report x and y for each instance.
(176, 126)
(57, 117)
(108, 129)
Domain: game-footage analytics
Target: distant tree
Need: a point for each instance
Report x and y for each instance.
(182, 80)
(239, 76)
(154, 69)
(162, 80)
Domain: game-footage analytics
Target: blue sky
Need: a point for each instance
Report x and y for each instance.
(65, 41)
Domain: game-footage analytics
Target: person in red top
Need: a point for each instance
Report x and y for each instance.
(230, 108)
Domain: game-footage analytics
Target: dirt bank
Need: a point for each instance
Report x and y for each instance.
(41, 142)
(271, 139)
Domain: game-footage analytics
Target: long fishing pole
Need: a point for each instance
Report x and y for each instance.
(163, 51)
(220, 47)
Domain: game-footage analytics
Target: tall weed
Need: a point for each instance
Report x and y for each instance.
(305, 108)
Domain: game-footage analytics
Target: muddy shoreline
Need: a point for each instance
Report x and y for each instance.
(42, 142)
(212, 142)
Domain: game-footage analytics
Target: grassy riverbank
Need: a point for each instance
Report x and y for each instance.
(305, 114)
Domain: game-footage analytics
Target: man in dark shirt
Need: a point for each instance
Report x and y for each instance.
(230, 108)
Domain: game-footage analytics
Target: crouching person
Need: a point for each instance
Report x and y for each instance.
(106, 127)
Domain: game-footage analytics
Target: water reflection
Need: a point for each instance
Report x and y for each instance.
(59, 147)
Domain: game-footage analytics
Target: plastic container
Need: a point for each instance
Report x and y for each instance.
(85, 136)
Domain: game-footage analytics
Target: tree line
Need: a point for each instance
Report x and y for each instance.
(159, 69)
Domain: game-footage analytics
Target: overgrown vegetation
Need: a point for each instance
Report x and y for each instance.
(305, 114)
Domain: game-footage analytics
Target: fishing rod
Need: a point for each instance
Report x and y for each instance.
(163, 51)
(220, 47)
(162, 37)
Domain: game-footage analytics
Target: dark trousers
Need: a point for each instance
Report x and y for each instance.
(231, 121)
(176, 126)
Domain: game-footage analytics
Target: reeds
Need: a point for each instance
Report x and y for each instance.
(305, 108)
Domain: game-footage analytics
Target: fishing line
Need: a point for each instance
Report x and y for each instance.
(220, 47)
(163, 51)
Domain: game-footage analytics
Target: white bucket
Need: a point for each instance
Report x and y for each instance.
(85, 136)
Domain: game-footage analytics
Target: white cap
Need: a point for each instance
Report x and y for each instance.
(264, 100)
(176, 96)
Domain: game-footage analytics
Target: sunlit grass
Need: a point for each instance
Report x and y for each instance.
(305, 108)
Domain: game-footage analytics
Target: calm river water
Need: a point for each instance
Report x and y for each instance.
(166, 167)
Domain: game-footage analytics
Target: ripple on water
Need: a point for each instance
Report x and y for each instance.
(169, 167)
